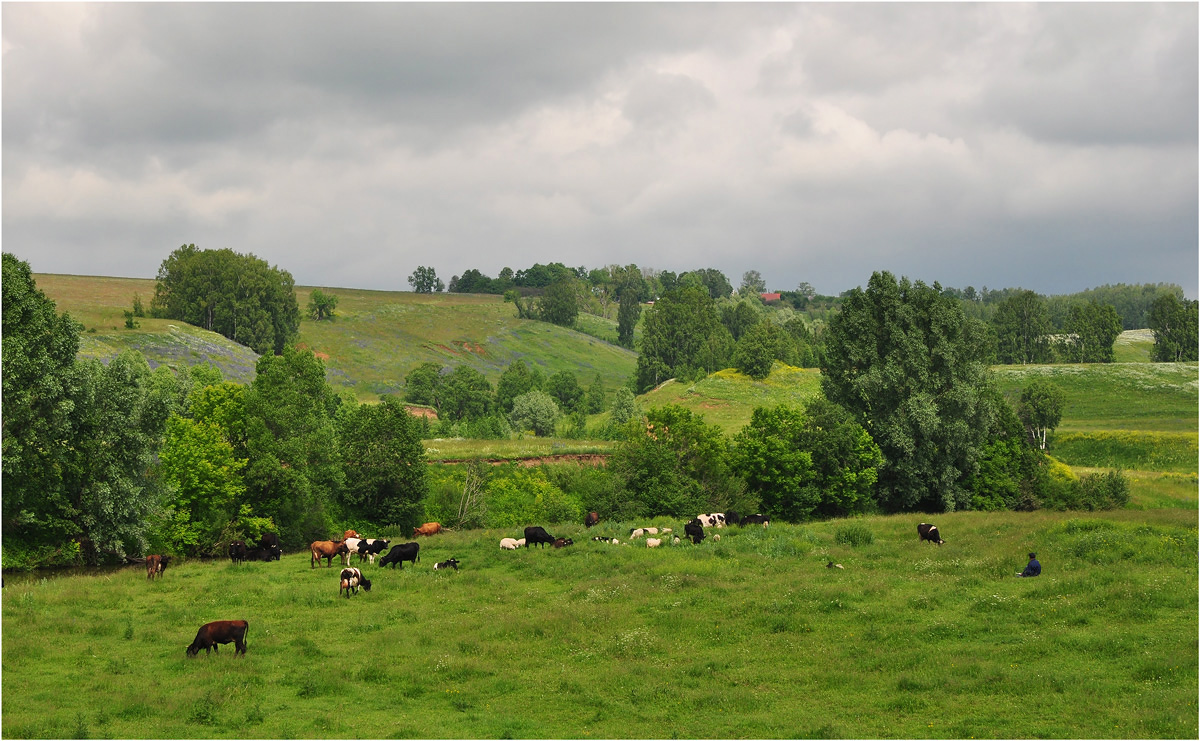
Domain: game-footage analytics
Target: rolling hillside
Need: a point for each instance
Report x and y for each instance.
(375, 340)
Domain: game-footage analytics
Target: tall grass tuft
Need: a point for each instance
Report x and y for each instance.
(855, 534)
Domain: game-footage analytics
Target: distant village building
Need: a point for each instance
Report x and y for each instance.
(769, 297)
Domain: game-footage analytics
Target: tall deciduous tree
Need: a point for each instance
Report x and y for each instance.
(1042, 408)
(422, 383)
(516, 380)
(629, 310)
(676, 465)
(565, 389)
(534, 410)
(424, 280)
(682, 333)
(818, 462)
(294, 472)
(904, 361)
(752, 283)
(464, 394)
(1174, 323)
(1094, 328)
(384, 461)
(559, 304)
(238, 296)
(1022, 326)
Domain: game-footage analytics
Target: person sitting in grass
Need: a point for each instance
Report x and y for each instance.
(1033, 568)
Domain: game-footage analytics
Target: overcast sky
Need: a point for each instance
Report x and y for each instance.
(1047, 146)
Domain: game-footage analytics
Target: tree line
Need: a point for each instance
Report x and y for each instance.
(105, 461)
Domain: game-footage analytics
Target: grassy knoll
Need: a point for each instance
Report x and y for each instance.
(750, 637)
(727, 398)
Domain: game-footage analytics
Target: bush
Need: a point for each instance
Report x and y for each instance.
(1104, 490)
(854, 535)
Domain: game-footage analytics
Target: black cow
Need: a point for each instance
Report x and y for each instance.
(264, 553)
(694, 530)
(535, 534)
(370, 548)
(925, 531)
(732, 518)
(400, 553)
(755, 520)
(221, 631)
(448, 564)
(237, 551)
(591, 519)
(269, 544)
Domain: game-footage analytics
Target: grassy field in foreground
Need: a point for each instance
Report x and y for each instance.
(750, 637)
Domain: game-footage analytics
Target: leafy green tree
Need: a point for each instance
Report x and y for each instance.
(629, 310)
(238, 296)
(1174, 323)
(818, 462)
(760, 347)
(559, 304)
(904, 361)
(752, 283)
(713, 281)
(594, 401)
(739, 318)
(682, 333)
(1042, 408)
(321, 305)
(294, 473)
(534, 410)
(40, 380)
(473, 281)
(203, 476)
(1022, 326)
(516, 380)
(1094, 328)
(624, 406)
(564, 387)
(422, 383)
(676, 465)
(384, 460)
(465, 394)
(424, 280)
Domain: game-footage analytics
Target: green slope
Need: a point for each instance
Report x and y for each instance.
(375, 340)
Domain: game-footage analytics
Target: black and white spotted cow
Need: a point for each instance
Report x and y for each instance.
(926, 531)
(716, 519)
(370, 548)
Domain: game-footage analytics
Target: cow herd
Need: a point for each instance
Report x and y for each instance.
(351, 579)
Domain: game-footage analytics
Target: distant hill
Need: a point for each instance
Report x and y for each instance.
(376, 339)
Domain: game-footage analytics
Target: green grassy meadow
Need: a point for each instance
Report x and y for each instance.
(751, 637)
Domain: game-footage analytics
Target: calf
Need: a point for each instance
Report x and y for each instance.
(694, 530)
(755, 520)
(221, 631)
(352, 579)
(447, 564)
(535, 535)
(429, 528)
(326, 549)
(264, 553)
(370, 548)
(155, 565)
(401, 553)
(653, 542)
(591, 519)
(237, 551)
(563, 542)
(925, 531)
(510, 544)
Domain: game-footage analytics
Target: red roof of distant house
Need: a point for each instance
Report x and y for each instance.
(770, 296)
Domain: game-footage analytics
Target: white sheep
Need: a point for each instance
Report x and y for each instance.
(653, 542)
(509, 544)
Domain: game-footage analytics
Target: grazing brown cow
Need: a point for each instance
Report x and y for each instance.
(326, 549)
(155, 565)
(221, 631)
(429, 528)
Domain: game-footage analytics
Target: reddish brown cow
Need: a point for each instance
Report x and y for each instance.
(429, 528)
(221, 631)
(155, 565)
(326, 549)
(591, 519)
(349, 534)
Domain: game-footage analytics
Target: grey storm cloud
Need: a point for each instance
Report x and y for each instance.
(1047, 146)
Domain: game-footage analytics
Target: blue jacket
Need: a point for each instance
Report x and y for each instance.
(1033, 569)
